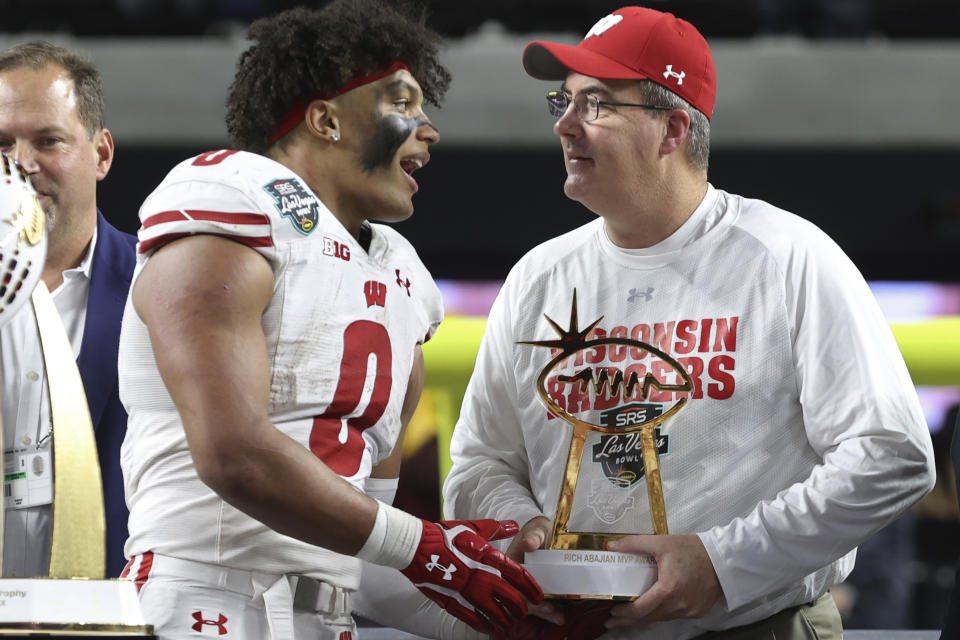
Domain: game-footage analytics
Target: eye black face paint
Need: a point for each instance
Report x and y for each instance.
(389, 134)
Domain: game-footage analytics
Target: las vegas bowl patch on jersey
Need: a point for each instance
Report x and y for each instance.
(294, 203)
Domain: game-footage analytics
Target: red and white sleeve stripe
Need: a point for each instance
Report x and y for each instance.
(251, 229)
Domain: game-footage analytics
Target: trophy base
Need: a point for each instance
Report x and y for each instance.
(593, 575)
(78, 607)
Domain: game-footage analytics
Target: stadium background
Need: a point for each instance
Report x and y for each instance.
(842, 111)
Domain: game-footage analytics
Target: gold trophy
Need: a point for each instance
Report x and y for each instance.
(639, 387)
(73, 600)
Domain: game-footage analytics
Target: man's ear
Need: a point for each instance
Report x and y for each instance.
(103, 150)
(677, 131)
(321, 120)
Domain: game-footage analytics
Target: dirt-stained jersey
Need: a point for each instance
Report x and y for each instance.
(341, 329)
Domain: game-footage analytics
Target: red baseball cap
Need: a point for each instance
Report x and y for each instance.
(635, 43)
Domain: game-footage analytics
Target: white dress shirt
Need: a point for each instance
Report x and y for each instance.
(26, 412)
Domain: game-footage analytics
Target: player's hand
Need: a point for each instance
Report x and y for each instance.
(456, 567)
(686, 586)
(581, 620)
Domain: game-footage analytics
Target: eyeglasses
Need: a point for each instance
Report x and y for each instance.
(587, 105)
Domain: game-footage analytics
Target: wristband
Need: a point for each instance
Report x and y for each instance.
(394, 539)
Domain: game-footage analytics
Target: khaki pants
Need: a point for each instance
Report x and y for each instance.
(818, 620)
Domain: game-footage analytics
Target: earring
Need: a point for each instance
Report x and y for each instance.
(335, 136)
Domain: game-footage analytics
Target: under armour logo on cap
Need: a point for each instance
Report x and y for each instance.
(603, 24)
(670, 72)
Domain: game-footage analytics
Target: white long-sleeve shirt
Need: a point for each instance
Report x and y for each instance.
(803, 434)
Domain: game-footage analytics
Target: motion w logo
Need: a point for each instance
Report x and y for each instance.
(603, 24)
(376, 293)
(219, 623)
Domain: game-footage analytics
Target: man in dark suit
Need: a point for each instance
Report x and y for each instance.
(52, 123)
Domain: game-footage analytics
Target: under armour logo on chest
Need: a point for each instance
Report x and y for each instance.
(447, 571)
(671, 73)
(403, 282)
(220, 623)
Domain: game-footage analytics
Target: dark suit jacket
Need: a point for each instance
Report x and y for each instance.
(113, 261)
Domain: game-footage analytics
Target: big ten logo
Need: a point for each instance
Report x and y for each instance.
(335, 249)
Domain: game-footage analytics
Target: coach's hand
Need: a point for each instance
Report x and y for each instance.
(456, 567)
(532, 536)
(686, 586)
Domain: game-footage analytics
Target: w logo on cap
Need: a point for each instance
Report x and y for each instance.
(603, 24)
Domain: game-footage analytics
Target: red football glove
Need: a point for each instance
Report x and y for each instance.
(582, 620)
(456, 567)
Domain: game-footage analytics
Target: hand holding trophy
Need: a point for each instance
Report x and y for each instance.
(596, 507)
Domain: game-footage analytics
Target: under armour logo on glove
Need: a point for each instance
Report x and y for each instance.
(220, 622)
(476, 583)
(447, 571)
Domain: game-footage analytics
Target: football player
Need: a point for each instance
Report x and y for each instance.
(271, 348)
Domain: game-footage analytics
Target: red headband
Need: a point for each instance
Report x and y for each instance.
(295, 114)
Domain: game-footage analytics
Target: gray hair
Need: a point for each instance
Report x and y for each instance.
(698, 140)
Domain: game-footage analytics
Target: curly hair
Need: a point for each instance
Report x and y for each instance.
(302, 51)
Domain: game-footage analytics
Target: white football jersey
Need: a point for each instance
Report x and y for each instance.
(341, 329)
(800, 433)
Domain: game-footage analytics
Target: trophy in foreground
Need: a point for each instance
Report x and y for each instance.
(611, 484)
(76, 601)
